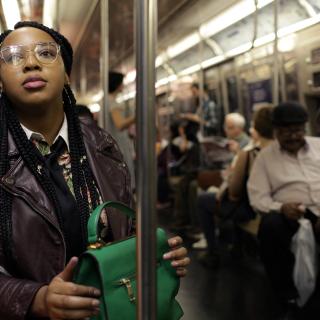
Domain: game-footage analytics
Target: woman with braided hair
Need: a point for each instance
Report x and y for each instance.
(54, 169)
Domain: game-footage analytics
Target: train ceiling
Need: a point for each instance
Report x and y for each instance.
(193, 34)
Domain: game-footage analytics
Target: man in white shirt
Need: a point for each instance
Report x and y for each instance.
(284, 185)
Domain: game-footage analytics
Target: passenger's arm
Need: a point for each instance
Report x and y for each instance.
(259, 188)
(120, 121)
(16, 296)
(237, 181)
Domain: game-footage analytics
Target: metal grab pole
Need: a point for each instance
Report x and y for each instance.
(104, 69)
(146, 32)
(275, 56)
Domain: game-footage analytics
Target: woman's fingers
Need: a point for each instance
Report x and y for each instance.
(70, 288)
(175, 241)
(72, 302)
(181, 262)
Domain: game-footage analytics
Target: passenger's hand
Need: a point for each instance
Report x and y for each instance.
(233, 146)
(292, 211)
(178, 256)
(67, 300)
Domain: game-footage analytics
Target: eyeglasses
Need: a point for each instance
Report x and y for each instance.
(45, 53)
(289, 132)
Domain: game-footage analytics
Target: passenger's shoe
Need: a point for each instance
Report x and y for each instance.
(209, 260)
(201, 243)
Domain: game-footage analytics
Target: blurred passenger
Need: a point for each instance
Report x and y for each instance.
(183, 179)
(234, 127)
(118, 122)
(284, 185)
(262, 130)
(208, 112)
(207, 202)
(167, 153)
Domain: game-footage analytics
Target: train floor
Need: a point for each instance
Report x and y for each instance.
(238, 289)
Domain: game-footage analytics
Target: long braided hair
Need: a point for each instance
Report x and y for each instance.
(83, 181)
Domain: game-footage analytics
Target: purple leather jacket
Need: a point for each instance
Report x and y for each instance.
(38, 243)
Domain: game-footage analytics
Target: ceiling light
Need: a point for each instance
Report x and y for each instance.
(298, 26)
(130, 77)
(164, 81)
(98, 96)
(184, 45)
(241, 49)
(94, 107)
(11, 12)
(211, 62)
(230, 16)
(264, 40)
(190, 70)
(287, 44)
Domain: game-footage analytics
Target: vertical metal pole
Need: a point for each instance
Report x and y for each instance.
(201, 87)
(275, 56)
(146, 32)
(104, 61)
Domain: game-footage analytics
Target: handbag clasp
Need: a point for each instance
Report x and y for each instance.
(97, 245)
(127, 283)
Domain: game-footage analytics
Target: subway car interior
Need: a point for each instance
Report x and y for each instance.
(222, 68)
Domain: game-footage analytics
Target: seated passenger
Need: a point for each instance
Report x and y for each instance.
(183, 179)
(284, 185)
(237, 184)
(207, 201)
(234, 127)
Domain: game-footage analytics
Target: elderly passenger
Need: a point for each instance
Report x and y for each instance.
(284, 185)
(234, 126)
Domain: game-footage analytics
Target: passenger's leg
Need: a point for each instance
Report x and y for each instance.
(179, 186)
(275, 235)
(192, 200)
(206, 207)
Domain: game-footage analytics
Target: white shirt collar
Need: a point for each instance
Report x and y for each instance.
(63, 133)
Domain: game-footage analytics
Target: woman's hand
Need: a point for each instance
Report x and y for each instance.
(62, 299)
(178, 256)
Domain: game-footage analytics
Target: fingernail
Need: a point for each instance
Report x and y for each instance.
(96, 292)
(95, 303)
(174, 263)
(166, 256)
(96, 311)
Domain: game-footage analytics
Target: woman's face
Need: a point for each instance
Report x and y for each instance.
(32, 83)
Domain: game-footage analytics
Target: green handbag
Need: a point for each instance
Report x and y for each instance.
(112, 269)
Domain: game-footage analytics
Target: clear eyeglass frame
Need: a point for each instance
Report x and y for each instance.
(17, 55)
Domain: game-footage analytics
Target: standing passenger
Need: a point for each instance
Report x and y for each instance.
(208, 112)
(54, 170)
(118, 122)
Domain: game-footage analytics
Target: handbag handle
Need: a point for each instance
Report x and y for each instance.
(95, 216)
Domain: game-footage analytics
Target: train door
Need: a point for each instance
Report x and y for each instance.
(255, 84)
(308, 77)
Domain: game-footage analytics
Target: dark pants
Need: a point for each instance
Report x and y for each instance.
(206, 207)
(275, 234)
